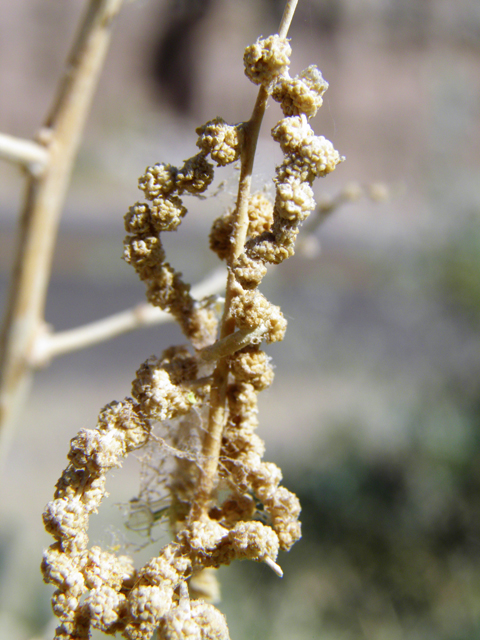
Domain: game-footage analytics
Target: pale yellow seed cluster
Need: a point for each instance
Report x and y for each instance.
(260, 218)
(301, 94)
(248, 515)
(158, 385)
(252, 310)
(254, 482)
(194, 620)
(221, 140)
(307, 157)
(96, 588)
(265, 60)
(252, 365)
(270, 239)
(162, 185)
(153, 597)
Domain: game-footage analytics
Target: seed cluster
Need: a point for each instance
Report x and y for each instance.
(249, 515)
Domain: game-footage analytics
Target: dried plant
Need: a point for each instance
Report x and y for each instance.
(48, 163)
(225, 502)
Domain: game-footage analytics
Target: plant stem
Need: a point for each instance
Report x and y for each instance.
(287, 18)
(50, 345)
(45, 195)
(32, 155)
(216, 420)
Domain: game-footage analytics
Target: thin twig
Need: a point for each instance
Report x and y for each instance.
(232, 343)
(50, 345)
(287, 18)
(273, 566)
(29, 154)
(45, 197)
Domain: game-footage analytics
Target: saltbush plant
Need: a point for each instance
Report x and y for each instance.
(224, 501)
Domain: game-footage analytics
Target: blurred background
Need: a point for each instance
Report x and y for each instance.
(374, 415)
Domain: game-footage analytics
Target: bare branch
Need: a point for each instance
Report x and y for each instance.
(48, 345)
(232, 343)
(29, 154)
(45, 196)
(287, 17)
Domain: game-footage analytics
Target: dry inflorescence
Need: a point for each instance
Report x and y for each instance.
(246, 513)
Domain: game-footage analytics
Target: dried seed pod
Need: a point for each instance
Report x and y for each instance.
(158, 180)
(222, 141)
(267, 59)
(302, 94)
